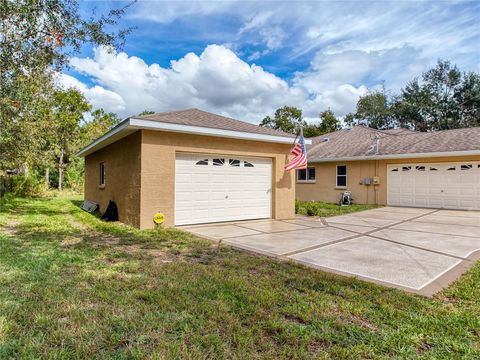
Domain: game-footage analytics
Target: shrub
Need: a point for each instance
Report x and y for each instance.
(26, 185)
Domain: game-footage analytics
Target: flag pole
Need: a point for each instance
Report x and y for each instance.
(296, 137)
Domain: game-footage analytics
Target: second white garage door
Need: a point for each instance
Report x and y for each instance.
(444, 185)
(214, 188)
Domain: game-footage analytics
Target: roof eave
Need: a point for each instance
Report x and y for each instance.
(132, 124)
(400, 156)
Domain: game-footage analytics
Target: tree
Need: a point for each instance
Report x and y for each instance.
(311, 130)
(468, 100)
(67, 116)
(38, 37)
(328, 122)
(146, 112)
(373, 110)
(24, 122)
(411, 107)
(287, 119)
(444, 98)
(101, 122)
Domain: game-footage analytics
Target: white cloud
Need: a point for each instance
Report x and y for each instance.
(219, 81)
(348, 46)
(98, 96)
(394, 66)
(341, 99)
(215, 80)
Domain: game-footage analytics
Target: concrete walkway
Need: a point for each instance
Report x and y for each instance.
(418, 250)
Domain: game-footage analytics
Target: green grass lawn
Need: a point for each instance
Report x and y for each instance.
(317, 208)
(72, 286)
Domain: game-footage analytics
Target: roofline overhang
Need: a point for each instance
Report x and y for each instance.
(400, 156)
(131, 125)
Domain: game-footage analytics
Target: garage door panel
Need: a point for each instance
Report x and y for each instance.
(421, 201)
(468, 204)
(237, 190)
(435, 202)
(406, 201)
(447, 185)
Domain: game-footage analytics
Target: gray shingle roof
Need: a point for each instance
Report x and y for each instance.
(196, 117)
(360, 142)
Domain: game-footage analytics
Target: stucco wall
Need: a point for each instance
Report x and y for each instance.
(324, 188)
(158, 170)
(122, 177)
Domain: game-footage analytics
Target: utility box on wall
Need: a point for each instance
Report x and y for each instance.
(376, 180)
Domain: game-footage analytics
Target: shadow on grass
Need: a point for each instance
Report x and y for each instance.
(85, 301)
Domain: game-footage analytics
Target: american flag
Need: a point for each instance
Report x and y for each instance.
(299, 153)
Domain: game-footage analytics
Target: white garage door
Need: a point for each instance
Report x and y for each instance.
(445, 185)
(214, 188)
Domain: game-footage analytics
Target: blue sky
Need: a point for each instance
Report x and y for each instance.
(246, 58)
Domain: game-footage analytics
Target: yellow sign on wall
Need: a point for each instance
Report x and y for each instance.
(159, 218)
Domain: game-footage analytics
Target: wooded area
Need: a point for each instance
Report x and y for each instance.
(42, 123)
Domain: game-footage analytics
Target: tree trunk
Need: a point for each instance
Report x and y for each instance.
(60, 171)
(47, 178)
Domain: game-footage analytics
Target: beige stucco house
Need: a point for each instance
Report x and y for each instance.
(395, 167)
(192, 166)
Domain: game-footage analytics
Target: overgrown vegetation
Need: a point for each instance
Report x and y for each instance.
(73, 286)
(318, 208)
(42, 123)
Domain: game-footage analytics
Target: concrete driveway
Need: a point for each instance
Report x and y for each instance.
(418, 250)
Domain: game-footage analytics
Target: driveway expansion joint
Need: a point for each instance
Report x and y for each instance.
(357, 234)
(414, 263)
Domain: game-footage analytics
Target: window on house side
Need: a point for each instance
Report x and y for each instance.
(306, 175)
(102, 174)
(341, 176)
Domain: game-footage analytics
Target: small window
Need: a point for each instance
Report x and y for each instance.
(218, 162)
(341, 176)
(394, 169)
(406, 168)
(234, 162)
(452, 168)
(247, 164)
(466, 167)
(306, 175)
(433, 168)
(101, 181)
(202, 162)
(420, 168)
